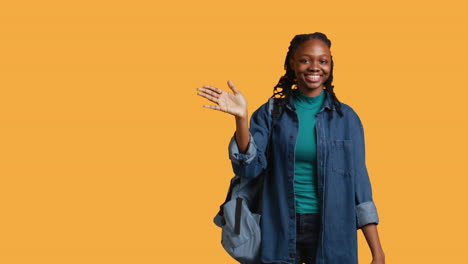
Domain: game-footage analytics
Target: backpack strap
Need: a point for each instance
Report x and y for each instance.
(275, 108)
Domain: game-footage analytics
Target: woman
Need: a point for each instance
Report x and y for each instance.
(318, 192)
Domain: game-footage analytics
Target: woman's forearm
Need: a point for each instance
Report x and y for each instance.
(372, 238)
(242, 133)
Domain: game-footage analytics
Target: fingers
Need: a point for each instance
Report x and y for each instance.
(215, 107)
(213, 97)
(211, 93)
(233, 88)
(210, 89)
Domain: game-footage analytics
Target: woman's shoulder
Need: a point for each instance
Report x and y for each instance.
(268, 106)
(262, 112)
(346, 108)
(264, 106)
(350, 113)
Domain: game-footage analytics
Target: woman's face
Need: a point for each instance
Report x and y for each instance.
(311, 63)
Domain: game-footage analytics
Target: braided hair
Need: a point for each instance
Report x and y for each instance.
(284, 87)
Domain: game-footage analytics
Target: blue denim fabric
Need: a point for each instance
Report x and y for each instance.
(344, 187)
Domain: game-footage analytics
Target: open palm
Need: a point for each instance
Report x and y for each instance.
(232, 103)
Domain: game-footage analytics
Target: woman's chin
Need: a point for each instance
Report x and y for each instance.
(311, 87)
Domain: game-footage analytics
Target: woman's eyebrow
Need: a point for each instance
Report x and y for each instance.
(313, 55)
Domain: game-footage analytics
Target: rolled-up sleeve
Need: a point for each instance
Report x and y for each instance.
(366, 211)
(253, 162)
(242, 158)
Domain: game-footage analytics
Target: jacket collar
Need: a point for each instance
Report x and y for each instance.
(327, 103)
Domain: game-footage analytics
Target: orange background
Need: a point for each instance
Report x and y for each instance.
(107, 156)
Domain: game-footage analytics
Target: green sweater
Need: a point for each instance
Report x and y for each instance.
(305, 166)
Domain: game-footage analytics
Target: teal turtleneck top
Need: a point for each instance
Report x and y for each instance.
(305, 166)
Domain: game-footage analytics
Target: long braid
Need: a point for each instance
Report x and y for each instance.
(285, 84)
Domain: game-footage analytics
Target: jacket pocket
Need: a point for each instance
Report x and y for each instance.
(341, 156)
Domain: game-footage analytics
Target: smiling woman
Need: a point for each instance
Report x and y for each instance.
(318, 192)
(311, 65)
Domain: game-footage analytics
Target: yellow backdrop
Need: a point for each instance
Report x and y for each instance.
(107, 156)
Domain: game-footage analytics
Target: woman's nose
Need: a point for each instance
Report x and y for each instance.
(314, 66)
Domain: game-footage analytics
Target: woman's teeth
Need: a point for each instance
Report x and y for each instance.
(313, 78)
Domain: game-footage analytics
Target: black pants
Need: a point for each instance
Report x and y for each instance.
(307, 236)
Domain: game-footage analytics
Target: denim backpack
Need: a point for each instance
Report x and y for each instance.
(239, 216)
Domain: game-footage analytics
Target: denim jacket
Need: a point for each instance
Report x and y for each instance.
(343, 186)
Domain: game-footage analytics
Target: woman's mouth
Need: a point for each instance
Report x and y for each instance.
(313, 77)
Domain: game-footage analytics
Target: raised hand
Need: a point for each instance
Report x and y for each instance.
(232, 103)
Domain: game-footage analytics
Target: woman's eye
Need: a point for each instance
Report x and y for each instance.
(323, 61)
(304, 60)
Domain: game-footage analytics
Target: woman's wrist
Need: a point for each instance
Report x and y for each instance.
(379, 254)
(242, 133)
(242, 116)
